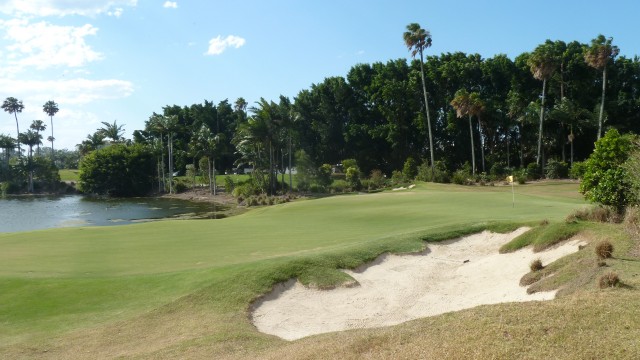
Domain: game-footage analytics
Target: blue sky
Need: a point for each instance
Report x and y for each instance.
(106, 60)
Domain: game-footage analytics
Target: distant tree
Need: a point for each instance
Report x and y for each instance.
(51, 109)
(112, 131)
(14, 106)
(468, 104)
(543, 62)
(417, 39)
(30, 138)
(37, 126)
(597, 56)
(93, 142)
(118, 170)
(7, 143)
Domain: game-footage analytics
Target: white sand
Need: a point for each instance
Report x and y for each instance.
(394, 289)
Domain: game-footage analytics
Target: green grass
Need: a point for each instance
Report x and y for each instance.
(544, 236)
(99, 287)
(69, 175)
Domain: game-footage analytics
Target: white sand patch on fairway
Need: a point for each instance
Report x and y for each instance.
(398, 288)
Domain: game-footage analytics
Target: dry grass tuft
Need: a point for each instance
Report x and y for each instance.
(604, 250)
(608, 280)
(602, 214)
(536, 265)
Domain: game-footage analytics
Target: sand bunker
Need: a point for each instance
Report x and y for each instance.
(398, 288)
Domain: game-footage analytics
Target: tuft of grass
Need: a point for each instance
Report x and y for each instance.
(536, 265)
(604, 250)
(602, 214)
(609, 280)
(544, 236)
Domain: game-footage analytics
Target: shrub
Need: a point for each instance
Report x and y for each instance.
(533, 172)
(605, 181)
(604, 250)
(397, 178)
(440, 173)
(349, 163)
(376, 179)
(339, 186)
(536, 265)
(610, 279)
(557, 169)
(577, 170)
(462, 177)
(323, 176)
(229, 184)
(317, 188)
(410, 169)
(181, 186)
(353, 178)
(603, 214)
(632, 220)
(497, 171)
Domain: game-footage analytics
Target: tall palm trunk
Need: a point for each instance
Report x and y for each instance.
(53, 154)
(604, 86)
(481, 145)
(426, 105)
(213, 175)
(544, 87)
(18, 136)
(170, 163)
(290, 177)
(473, 152)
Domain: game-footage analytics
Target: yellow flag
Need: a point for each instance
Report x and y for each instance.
(510, 179)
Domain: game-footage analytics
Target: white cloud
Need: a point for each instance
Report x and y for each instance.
(170, 4)
(64, 7)
(218, 45)
(70, 92)
(43, 45)
(117, 12)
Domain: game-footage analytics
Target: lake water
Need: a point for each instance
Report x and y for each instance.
(24, 213)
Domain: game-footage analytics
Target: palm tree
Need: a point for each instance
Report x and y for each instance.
(469, 105)
(93, 142)
(7, 143)
(597, 56)
(14, 106)
(37, 126)
(30, 138)
(112, 131)
(417, 39)
(542, 63)
(51, 108)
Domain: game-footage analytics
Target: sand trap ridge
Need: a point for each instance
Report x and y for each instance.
(398, 288)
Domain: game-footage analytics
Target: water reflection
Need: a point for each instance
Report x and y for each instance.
(23, 213)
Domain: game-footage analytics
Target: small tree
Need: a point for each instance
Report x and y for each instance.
(410, 169)
(605, 180)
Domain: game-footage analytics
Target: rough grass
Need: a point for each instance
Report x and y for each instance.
(544, 236)
(69, 175)
(183, 289)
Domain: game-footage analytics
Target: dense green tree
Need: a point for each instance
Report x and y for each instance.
(30, 138)
(605, 180)
(468, 104)
(417, 40)
(118, 170)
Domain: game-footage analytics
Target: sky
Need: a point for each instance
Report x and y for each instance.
(123, 60)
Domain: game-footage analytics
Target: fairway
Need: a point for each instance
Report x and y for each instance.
(67, 281)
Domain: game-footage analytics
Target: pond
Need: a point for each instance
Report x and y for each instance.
(24, 213)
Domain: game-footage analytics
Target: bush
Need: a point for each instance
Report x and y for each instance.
(339, 186)
(557, 169)
(353, 178)
(610, 279)
(397, 178)
(323, 176)
(349, 163)
(317, 189)
(605, 181)
(229, 185)
(604, 250)
(462, 177)
(376, 179)
(602, 214)
(533, 172)
(536, 265)
(497, 171)
(577, 170)
(410, 169)
(181, 186)
(521, 176)
(440, 173)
